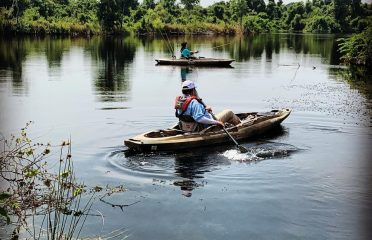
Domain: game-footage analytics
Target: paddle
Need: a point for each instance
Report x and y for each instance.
(241, 148)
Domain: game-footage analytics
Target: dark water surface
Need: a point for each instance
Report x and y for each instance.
(310, 179)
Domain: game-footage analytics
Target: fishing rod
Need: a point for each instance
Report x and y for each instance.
(169, 46)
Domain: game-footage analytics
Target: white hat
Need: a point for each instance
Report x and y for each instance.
(188, 85)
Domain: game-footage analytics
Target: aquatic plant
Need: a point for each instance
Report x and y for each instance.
(40, 195)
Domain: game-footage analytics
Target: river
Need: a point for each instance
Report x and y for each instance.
(310, 179)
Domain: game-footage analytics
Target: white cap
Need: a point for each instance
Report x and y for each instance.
(188, 85)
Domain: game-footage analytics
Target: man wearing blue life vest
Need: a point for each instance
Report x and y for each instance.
(185, 52)
(194, 116)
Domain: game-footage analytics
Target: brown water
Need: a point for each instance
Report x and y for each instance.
(308, 180)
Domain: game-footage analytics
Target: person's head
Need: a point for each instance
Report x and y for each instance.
(189, 88)
(184, 44)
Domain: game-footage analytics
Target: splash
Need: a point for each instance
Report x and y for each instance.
(261, 152)
(238, 156)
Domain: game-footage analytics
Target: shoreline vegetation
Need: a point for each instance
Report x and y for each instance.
(40, 195)
(187, 17)
(230, 17)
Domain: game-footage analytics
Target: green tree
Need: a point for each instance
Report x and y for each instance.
(149, 4)
(190, 4)
(358, 48)
(46, 7)
(219, 10)
(256, 5)
(16, 7)
(111, 13)
(256, 23)
(308, 6)
(342, 12)
(318, 3)
(272, 10)
(322, 24)
(294, 9)
(84, 10)
(356, 8)
(170, 6)
(239, 8)
(297, 24)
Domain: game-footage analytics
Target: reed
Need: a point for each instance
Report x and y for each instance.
(40, 196)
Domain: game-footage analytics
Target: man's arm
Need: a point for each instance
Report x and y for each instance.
(199, 114)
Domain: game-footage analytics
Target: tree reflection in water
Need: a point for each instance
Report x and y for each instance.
(113, 55)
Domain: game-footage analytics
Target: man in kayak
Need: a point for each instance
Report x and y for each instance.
(185, 52)
(194, 115)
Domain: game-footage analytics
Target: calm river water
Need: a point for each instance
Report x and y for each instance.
(311, 179)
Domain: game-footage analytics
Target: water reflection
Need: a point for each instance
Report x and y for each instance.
(243, 48)
(166, 45)
(359, 78)
(184, 72)
(12, 55)
(191, 166)
(54, 49)
(15, 51)
(113, 56)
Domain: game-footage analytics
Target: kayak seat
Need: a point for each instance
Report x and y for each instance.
(163, 133)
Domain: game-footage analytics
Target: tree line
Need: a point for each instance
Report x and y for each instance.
(229, 17)
(86, 17)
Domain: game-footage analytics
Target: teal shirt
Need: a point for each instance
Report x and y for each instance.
(185, 53)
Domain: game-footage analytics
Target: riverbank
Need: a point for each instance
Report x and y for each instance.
(90, 17)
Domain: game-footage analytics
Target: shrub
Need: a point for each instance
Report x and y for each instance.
(255, 24)
(358, 48)
(322, 24)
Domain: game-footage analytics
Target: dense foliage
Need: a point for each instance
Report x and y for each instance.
(86, 17)
(180, 17)
(358, 48)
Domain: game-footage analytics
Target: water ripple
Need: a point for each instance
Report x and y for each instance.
(195, 163)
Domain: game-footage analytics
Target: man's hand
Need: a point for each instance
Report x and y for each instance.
(221, 124)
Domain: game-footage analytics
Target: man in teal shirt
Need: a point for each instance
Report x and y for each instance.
(185, 52)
